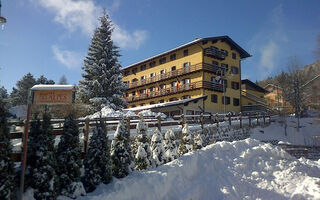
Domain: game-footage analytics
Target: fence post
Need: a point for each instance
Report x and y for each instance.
(229, 116)
(201, 121)
(86, 135)
(269, 119)
(159, 123)
(240, 114)
(128, 126)
(264, 118)
(249, 119)
(257, 119)
(217, 119)
(182, 120)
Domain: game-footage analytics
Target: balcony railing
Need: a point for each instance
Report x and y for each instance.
(173, 90)
(175, 73)
(254, 97)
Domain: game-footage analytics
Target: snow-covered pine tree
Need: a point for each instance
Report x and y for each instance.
(6, 163)
(102, 82)
(97, 163)
(143, 155)
(186, 144)
(19, 95)
(120, 154)
(157, 148)
(198, 141)
(43, 80)
(41, 161)
(170, 146)
(69, 160)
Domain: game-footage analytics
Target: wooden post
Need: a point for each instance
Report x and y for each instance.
(128, 126)
(269, 119)
(217, 119)
(240, 114)
(229, 116)
(201, 121)
(264, 119)
(257, 119)
(249, 119)
(182, 120)
(86, 135)
(159, 123)
(25, 149)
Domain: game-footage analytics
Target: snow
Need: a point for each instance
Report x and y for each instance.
(19, 111)
(246, 169)
(52, 87)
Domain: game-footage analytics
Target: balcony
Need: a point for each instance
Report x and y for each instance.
(173, 90)
(215, 53)
(173, 74)
(254, 97)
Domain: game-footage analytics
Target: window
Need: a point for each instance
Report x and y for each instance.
(173, 99)
(186, 65)
(162, 86)
(234, 70)
(142, 91)
(204, 42)
(162, 61)
(142, 104)
(126, 82)
(163, 71)
(186, 81)
(161, 101)
(133, 106)
(173, 68)
(134, 70)
(227, 102)
(214, 98)
(143, 77)
(215, 63)
(152, 102)
(152, 64)
(143, 67)
(152, 89)
(185, 52)
(234, 55)
(134, 80)
(235, 85)
(236, 102)
(126, 73)
(224, 52)
(224, 67)
(133, 93)
(173, 57)
(186, 97)
(173, 83)
(153, 74)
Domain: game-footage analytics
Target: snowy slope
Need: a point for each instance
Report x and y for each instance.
(244, 169)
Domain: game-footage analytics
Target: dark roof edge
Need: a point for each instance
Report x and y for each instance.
(254, 85)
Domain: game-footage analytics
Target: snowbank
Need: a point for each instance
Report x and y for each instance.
(246, 169)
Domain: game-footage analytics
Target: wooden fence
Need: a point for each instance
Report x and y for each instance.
(152, 121)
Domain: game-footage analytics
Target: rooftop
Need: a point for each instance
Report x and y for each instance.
(52, 87)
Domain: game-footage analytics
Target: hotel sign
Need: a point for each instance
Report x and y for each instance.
(52, 95)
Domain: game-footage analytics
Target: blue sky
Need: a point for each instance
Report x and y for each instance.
(51, 37)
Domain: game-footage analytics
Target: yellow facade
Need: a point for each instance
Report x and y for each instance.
(197, 72)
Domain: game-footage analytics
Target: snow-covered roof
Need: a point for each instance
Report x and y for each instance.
(161, 105)
(52, 87)
(243, 53)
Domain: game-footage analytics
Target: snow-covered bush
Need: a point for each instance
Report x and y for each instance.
(69, 160)
(198, 141)
(97, 163)
(143, 152)
(157, 148)
(170, 146)
(6, 163)
(41, 161)
(186, 144)
(120, 152)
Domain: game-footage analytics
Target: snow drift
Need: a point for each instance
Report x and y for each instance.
(246, 169)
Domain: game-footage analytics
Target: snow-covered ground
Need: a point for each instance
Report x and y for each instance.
(246, 169)
(309, 133)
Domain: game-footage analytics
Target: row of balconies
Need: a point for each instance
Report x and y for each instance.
(254, 97)
(177, 89)
(175, 73)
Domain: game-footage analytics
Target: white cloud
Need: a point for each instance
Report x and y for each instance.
(83, 15)
(268, 55)
(72, 60)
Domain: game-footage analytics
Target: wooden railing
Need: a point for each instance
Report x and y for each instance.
(173, 90)
(254, 97)
(175, 73)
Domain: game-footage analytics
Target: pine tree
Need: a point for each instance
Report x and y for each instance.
(19, 96)
(143, 155)
(43, 80)
(186, 144)
(120, 154)
(69, 160)
(97, 163)
(63, 80)
(41, 161)
(157, 148)
(6, 163)
(102, 82)
(170, 146)
(198, 141)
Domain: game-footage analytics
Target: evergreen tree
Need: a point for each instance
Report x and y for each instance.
(3, 93)
(186, 144)
(19, 95)
(6, 163)
(41, 161)
(97, 163)
(170, 146)
(120, 156)
(43, 80)
(102, 82)
(198, 141)
(157, 148)
(143, 155)
(69, 159)
(63, 80)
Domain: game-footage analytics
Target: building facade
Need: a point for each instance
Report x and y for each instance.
(204, 67)
(253, 96)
